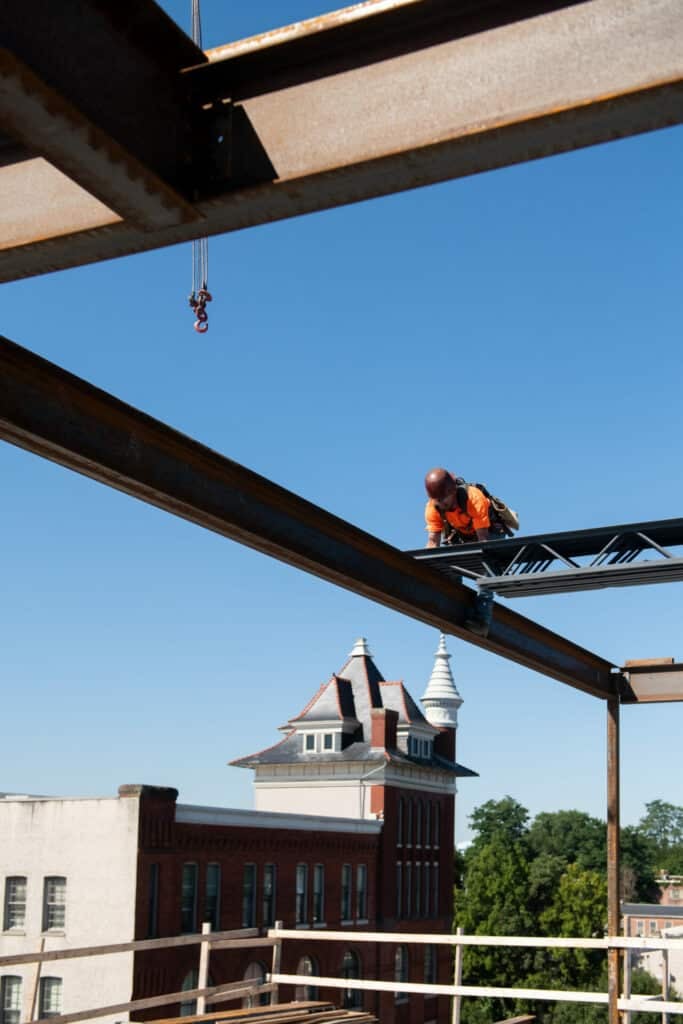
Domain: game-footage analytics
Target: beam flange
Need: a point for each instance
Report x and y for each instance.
(38, 117)
(54, 414)
(422, 103)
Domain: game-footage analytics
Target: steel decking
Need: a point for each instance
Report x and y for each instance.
(611, 556)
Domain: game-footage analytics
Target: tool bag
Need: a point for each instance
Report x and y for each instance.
(500, 514)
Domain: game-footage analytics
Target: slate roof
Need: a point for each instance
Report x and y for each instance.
(347, 701)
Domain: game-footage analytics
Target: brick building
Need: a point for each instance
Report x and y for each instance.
(353, 831)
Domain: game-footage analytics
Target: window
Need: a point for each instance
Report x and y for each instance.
(308, 967)
(50, 1004)
(10, 999)
(212, 903)
(256, 972)
(188, 899)
(436, 903)
(399, 890)
(418, 823)
(328, 741)
(418, 890)
(309, 741)
(409, 822)
(640, 927)
(401, 971)
(301, 893)
(54, 903)
(153, 902)
(428, 823)
(15, 903)
(269, 884)
(249, 896)
(190, 981)
(409, 891)
(430, 965)
(667, 924)
(437, 817)
(675, 894)
(426, 908)
(346, 892)
(399, 822)
(653, 927)
(351, 968)
(318, 894)
(362, 892)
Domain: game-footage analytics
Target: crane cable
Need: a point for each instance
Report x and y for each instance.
(200, 294)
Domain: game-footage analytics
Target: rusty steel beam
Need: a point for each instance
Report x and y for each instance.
(56, 415)
(394, 95)
(38, 117)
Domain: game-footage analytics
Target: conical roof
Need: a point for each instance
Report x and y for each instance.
(441, 698)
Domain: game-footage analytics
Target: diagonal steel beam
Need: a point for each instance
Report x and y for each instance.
(52, 413)
(410, 93)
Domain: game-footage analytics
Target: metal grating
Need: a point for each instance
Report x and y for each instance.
(612, 556)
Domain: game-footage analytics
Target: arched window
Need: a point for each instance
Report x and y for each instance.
(256, 972)
(430, 965)
(190, 981)
(401, 971)
(188, 1008)
(10, 999)
(308, 967)
(351, 968)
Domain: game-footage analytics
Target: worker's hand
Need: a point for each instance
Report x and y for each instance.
(434, 540)
(483, 535)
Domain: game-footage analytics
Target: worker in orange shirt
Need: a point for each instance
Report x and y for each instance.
(456, 507)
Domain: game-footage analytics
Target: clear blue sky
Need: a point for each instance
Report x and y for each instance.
(522, 327)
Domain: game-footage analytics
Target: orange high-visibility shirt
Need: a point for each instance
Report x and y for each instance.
(477, 517)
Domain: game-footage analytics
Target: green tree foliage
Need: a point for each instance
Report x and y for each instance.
(572, 835)
(578, 909)
(504, 819)
(548, 877)
(662, 825)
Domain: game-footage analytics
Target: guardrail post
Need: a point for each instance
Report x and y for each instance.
(277, 963)
(613, 908)
(457, 979)
(203, 979)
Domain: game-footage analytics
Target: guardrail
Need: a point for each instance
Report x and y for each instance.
(205, 994)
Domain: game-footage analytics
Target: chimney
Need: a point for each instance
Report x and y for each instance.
(383, 734)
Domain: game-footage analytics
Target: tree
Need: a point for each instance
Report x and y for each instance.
(494, 902)
(662, 825)
(574, 836)
(578, 910)
(504, 819)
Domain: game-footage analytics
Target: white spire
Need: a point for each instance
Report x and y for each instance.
(441, 698)
(360, 649)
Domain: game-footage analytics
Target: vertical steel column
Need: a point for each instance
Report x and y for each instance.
(613, 854)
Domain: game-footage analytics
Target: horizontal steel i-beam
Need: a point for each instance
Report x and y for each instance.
(52, 413)
(395, 94)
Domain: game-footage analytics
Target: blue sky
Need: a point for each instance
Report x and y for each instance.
(521, 327)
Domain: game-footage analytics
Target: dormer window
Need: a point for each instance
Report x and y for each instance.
(309, 742)
(328, 741)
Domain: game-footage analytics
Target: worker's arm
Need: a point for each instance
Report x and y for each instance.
(434, 525)
(481, 534)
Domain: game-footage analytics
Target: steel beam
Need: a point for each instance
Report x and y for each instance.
(52, 413)
(395, 94)
(75, 146)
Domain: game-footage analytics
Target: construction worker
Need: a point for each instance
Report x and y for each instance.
(457, 507)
